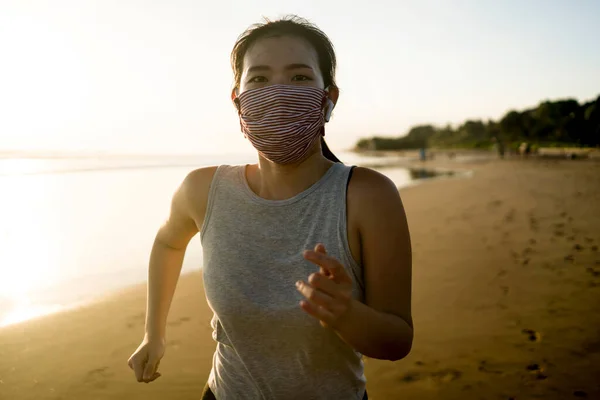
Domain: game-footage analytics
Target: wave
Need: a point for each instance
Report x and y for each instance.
(44, 166)
(19, 166)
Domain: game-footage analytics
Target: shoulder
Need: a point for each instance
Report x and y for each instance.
(373, 199)
(367, 185)
(193, 191)
(199, 179)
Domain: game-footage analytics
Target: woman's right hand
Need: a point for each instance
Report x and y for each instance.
(145, 360)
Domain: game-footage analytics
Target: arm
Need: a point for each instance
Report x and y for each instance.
(382, 327)
(169, 248)
(166, 260)
(187, 213)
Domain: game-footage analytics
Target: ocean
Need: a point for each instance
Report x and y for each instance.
(73, 229)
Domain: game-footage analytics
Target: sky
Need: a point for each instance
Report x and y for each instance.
(153, 76)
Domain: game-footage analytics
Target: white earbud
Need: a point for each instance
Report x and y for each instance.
(328, 109)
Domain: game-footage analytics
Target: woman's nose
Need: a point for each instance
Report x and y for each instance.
(278, 79)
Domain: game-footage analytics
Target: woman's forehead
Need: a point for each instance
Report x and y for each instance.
(280, 50)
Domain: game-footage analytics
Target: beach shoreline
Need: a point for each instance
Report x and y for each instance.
(506, 279)
(77, 291)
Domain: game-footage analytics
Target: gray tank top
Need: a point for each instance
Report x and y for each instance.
(267, 346)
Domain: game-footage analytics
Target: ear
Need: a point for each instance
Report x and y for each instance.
(234, 98)
(333, 93)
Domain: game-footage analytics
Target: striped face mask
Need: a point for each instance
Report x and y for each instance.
(283, 121)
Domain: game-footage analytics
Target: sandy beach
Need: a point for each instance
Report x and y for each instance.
(506, 299)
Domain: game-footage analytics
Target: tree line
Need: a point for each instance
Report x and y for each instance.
(560, 123)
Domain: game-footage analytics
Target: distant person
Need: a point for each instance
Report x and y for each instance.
(524, 149)
(499, 146)
(307, 261)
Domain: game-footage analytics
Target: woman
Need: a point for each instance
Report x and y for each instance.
(307, 262)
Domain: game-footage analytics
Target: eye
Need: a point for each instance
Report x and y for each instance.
(257, 79)
(301, 78)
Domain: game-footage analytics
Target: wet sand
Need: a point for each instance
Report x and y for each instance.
(506, 299)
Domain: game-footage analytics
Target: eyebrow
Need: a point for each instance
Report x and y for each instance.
(257, 68)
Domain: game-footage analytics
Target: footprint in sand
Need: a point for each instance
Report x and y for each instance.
(533, 223)
(532, 335)
(411, 377)
(594, 248)
(533, 367)
(99, 377)
(446, 375)
(532, 241)
(537, 371)
(510, 216)
(594, 272)
(578, 247)
(136, 320)
(179, 321)
(547, 265)
(489, 368)
(495, 203)
(441, 376)
(569, 258)
(428, 363)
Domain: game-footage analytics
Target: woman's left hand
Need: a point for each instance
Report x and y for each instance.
(328, 293)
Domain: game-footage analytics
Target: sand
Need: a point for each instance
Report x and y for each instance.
(506, 301)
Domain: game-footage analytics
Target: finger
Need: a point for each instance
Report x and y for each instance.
(138, 369)
(318, 312)
(150, 369)
(320, 248)
(323, 283)
(337, 290)
(330, 264)
(314, 295)
(154, 377)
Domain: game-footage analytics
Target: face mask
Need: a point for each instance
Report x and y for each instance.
(283, 121)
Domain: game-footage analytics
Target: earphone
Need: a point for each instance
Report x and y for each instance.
(328, 109)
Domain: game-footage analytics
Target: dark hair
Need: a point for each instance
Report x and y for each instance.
(289, 26)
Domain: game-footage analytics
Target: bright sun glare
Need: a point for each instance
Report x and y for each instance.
(42, 82)
(27, 256)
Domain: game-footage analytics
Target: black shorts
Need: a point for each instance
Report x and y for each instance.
(207, 394)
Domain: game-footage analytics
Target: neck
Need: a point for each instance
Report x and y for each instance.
(279, 182)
